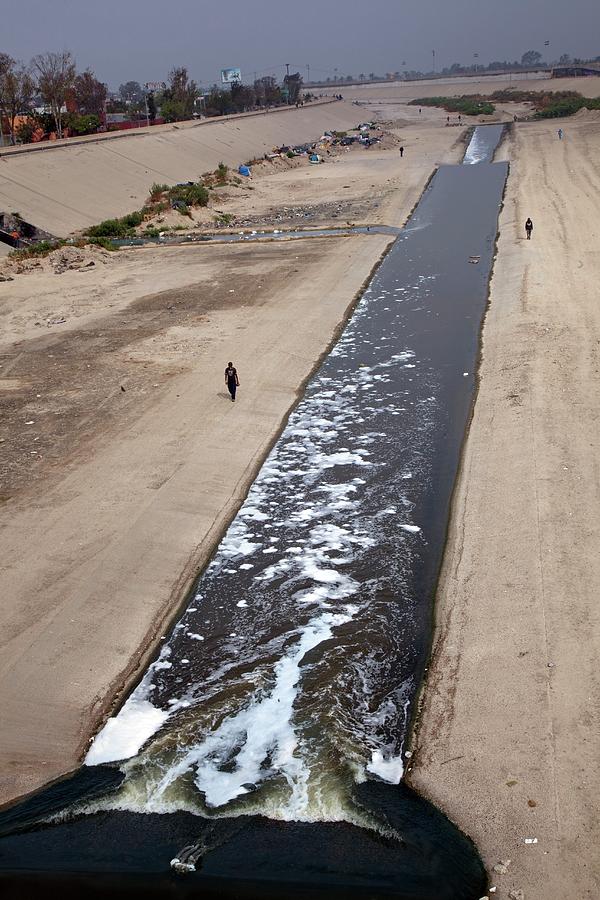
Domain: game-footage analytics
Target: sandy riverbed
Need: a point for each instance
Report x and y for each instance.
(123, 459)
(508, 739)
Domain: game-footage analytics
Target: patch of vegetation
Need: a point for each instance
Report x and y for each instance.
(157, 190)
(194, 194)
(151, 232)
(547, 104)
(224, 218)
(467, 105)
(290, 154)
(37, 251)
(103, 242)
(162, 196)
(117, 228)
(567, 106)
(221, 173)
(82, 124)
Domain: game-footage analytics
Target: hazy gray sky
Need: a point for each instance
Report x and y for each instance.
(143, 39)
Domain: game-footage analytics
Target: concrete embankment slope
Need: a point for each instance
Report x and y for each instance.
(508, 744)
(64, 188)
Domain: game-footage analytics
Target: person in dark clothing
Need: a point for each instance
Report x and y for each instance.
(401, 151)
(528, 228)
(231, 380)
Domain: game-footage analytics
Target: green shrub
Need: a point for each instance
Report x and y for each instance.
(290, 155)
(467, 105)
(110, 228)
(117, 228)
(132, 220)
(191, 194)
(567, 106)
(157, 190)
(221, 173)
(151, 232)
(41, 249)
(106, 243)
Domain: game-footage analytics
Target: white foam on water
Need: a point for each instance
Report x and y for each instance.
(259, 739)
(125, 734)
(476, 151)
(388, 768)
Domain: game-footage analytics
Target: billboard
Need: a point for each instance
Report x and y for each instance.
(152, 86)
(229, 76)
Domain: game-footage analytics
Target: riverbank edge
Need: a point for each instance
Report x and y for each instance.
(439, 609)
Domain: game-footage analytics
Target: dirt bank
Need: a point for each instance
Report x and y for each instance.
(508, 741)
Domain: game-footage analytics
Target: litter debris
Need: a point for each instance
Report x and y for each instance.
(531, 840)
(501, 868)
(474, 260)
(516, 895)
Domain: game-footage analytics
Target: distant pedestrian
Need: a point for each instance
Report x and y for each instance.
(231, 380)
(560, 134)
(401, 151)
(528, 228)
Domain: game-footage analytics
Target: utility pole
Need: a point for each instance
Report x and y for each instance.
(287, 66)
(308, 73)
(433, 54)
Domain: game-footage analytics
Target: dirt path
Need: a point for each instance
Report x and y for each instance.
(508, 741)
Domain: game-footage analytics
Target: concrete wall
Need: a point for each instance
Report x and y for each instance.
(71, 186)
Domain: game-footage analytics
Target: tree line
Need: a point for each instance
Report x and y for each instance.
(49, 95)
(74, 100)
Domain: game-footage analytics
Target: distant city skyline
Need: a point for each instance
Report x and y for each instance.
(142, 41)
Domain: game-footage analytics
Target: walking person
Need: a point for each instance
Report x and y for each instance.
(401, 152)
(528, 228)
(560, 134)
(231, 380)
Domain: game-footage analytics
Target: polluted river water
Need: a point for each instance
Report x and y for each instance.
(262, 753)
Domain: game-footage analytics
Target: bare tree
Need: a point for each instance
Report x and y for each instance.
(6, 64)
(17, 88)
(56, 76)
